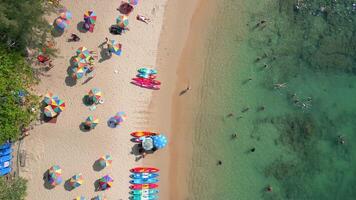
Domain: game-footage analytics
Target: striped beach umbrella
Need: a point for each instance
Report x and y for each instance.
(58, 105)
(61, 23)
(90, 17)
(95, 94)
(105, 182)
(67, 15)
(133, 2)
(49, 112)
(80, 198)
(55, 175)
(76, 180)
(122, 21)
(91, 121)
(100, 197)
(105, 161)
(115, 47)
(78, 72)
(159, 141)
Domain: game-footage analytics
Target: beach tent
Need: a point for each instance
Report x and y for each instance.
(114, 47)
(105, 161)
(66, 15)
(61, 23)
(76, 180)
(95, 94)
(90, 17)
(133, 2)
(105, 182)
(80, 198)
(58, 105)
(100, 197)
(122, 21)
(49, 112)
(55, 175)
(91, 121)
(147, 143)
(159, 141)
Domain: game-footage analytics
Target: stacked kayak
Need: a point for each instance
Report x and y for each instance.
(144, 183)
(5, 159)
(146, 78)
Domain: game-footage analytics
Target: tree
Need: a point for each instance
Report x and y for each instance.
(13, 190)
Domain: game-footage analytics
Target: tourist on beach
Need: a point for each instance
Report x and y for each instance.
(269, 188)
(341, 139)
(219, 162)
(143, 19)
(74, 38)
(185, 90)
(253, 149)
(234, 136)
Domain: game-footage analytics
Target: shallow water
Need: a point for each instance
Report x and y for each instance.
(308, 48)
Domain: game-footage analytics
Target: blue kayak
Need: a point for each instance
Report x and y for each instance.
(5, 158)
(150, 197)
(147, 71)
(144, 181)
(144, 192)
(5, 146)
(5, 171)
(144, 175)
(5, 164)
(4, 152)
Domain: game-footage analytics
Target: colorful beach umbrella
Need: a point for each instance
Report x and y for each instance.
(122, 21)
(95, 94)
(83, 53)
(105, 161)
(49, 98)
(100, 197)
(61, 23)
(58, 105)
(49, 112)
(55, 175)
(105, 182)
(76, 180)
(159, 141)
(80, 62)
(115, 47)
(80, 198)
(91, 121)
(90, 17)
(67, 15)
(133, 2)
(120, 117)
(78, 73)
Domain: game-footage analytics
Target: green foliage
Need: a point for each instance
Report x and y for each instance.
(15, 76)
(13, 190)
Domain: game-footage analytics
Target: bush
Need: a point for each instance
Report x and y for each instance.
(13, 190)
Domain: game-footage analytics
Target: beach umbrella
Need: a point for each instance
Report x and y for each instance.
(147, 143)
(90, 17)
(49, 98)
(58, 105)
(105, 182)
(120, 117)
(83, 53)
(76, 180)
(55, 175)
(100, 197)
(80, 62)
(91, 121)
(49, 112)
(78, 73)
(61, 23)
(105, 161)
(67, 15)
(95, 94)
(122, 21)
(80, 198)
(133, 2)
(115, 47)
(159, 141)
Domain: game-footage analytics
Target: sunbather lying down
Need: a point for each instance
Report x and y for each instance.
(143, 19)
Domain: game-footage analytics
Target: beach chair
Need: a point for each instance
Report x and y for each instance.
(5, 158)
(5, 164)
(4, 152)
(5, 171)
(5, 146)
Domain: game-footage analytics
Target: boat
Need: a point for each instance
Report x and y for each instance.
(146, 197)
(144, 192)
(5, 146)
(143, 186)
(144, 181)
(144, 170)
(5, 164)
(148, 86)
(139, 134)
(144, 175)
(4, 152)
(5, 171)
(5, 158)
(147, 81)
(148, 71)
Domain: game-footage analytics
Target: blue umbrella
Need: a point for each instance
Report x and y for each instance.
(159, 141)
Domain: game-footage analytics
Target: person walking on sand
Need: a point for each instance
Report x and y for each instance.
(185, 90)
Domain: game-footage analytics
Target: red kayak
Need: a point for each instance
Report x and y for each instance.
(147, 81)
(139, 134)
(143, 186)
(144, 170)
(148, 86)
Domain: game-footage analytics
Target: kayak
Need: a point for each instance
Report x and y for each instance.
(148, 86)
(149, 197)
(148, 71)
(144, 170)
(4, 152)
(139, 134)
(144, 192)
(5, 146)
(144, 175)
(147, 81)
(144, 181)
(143, 186)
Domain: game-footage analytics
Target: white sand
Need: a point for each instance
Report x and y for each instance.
(63, 143)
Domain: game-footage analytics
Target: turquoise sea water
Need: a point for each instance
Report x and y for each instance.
(308, 47)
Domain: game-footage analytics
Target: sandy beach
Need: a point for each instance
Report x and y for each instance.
(64, 144)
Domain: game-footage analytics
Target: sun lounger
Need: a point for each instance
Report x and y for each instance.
(5, 171)
(5, 158)
(5, 164)
(4, 152)
(5, 146)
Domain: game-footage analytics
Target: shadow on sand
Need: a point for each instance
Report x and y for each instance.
(46, 184)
